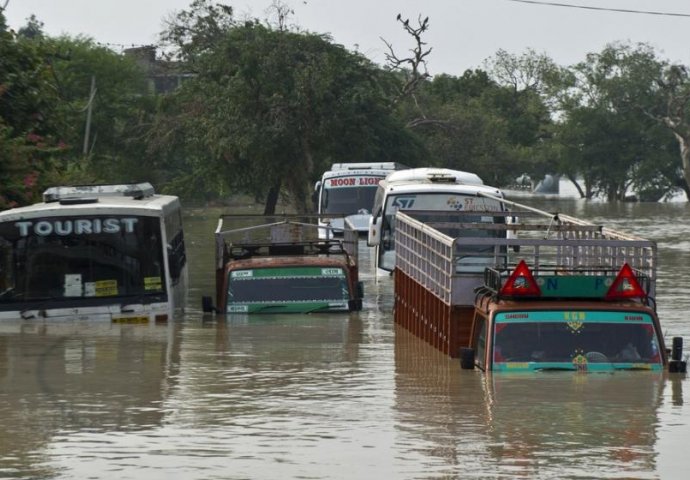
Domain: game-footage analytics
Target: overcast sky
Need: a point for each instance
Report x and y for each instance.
(463, 33)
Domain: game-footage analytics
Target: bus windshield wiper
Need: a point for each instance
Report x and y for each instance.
(323, 308)
(555, 369)
(269, 307)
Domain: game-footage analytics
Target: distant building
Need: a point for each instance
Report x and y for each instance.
(163, 76)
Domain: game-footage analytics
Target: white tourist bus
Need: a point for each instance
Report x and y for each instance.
(427, 190)
(105, 252)
(347, 191)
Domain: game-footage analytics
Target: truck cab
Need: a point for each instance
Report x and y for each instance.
(283, 267)
(567, 320)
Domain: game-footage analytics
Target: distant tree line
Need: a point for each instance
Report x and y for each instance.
(267, 108)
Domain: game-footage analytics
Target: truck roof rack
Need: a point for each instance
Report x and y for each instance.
(134, 190)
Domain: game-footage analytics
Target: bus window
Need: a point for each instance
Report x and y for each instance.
(53, 258)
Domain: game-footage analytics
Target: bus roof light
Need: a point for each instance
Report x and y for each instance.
(521, 283)
(625, 285)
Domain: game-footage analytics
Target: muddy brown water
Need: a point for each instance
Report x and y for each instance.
(332, 396)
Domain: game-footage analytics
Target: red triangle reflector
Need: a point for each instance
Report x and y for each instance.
(625, 285)
(521, 283)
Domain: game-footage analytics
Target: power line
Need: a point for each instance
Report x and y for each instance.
(619, 10)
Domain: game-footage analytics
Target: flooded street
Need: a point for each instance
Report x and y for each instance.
(332, 395)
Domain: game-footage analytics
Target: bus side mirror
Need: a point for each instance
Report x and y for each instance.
(676, 364)
(374, 237)
(315, 196)
(207, 305)
(467, 358)
(173, 263)
(354, 305)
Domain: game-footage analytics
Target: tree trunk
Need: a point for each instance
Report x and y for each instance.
(272, 199)
(684, 142)
(577, 185)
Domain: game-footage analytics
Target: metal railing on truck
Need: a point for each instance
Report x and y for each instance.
(245, 236)
(447, 252)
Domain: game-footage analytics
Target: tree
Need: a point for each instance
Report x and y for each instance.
(273, 108)
(115, 150)
(606, 138)
(28, 137)
(674, 83)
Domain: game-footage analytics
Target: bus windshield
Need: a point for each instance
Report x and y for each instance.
(296, 288)
(586, 340)
(430, 201)
(64, 258)
(349, 195)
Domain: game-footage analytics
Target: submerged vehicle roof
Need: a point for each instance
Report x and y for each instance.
(90, 199)
(416, 187)
(288, 261)
(509, 305)
(433, 176)
(367, 166)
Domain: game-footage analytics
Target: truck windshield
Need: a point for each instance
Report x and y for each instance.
(349, 195)
(585, 340)
(63, 258)
(298, 289)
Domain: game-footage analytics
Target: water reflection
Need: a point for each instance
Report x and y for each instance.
(328, 396)
(245, 366)
(548, 425)
(61, 378)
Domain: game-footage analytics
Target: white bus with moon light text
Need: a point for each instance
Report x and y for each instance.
(347, 190)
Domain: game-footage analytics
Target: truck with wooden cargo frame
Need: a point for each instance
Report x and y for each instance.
(278, 264)
(557, 293)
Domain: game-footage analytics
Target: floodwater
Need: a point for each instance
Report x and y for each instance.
(332, 396)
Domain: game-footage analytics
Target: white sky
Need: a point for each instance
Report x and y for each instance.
(463, 33)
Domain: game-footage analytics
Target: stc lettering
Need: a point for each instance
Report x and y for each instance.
(76, 226)
(354, 181)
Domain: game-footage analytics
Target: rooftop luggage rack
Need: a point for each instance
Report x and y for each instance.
(281, 235)
(241, 251)
(90, 193)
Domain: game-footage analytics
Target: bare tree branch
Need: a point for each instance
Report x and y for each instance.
(413, 66)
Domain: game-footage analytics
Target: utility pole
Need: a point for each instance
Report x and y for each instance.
(89, 108)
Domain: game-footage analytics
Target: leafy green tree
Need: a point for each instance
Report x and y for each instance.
(110, 147)
(472, 123)
(271, 109)
(607, 139)
(673, 112)
(28, 138)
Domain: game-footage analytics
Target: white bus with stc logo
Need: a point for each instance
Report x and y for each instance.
(425, 190)
(97, 252)
(347, 190)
